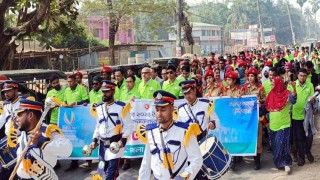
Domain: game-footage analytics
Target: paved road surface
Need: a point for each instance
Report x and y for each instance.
(244, 170)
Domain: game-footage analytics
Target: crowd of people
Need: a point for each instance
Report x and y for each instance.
(283, 81)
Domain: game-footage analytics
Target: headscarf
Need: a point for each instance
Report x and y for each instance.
(278, 96)
(266, 68)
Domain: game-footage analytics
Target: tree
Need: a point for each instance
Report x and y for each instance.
(238, 16)
(301, 3)
(122, 10)
(21, 18)
(315, 7)
(308, 15)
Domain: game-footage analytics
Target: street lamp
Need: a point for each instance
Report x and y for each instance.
(61, 58)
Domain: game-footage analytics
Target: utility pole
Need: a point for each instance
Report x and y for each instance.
(293, 35)
(178, 27)
(260, 23)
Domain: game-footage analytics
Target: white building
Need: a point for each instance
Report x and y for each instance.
(208, 36)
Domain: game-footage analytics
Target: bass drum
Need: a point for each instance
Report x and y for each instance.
(216, 159)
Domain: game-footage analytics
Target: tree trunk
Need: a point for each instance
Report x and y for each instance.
(113, 28)
(7, 52)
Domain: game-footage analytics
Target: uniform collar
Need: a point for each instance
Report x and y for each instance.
(109, 104)
(165, 129)
(252, 87)
(16, 100)
(195, 102)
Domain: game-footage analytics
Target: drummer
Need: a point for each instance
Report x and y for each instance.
(181, 158)
(200, 111)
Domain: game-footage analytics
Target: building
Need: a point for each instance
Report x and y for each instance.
(208, 36)
(99, 27)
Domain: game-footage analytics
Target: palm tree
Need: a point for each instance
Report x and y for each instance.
(238, 17)
(308, 15)
(301, 3)
(315, 8)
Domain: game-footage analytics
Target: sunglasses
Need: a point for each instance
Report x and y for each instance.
(145, 72)
(95, 84)
(169, 72)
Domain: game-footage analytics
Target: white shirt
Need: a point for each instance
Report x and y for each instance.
(199, 111)
(179, 154)
(8, 113)
(105, 128)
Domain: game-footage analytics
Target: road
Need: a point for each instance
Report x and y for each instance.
(244, 169)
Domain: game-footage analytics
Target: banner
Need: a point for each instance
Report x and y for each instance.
(78, 126)
(238, 124)
(237, 127)
(142, 112)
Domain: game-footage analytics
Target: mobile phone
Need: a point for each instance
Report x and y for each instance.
(291, 77)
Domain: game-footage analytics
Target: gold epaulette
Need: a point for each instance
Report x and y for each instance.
(193, 129)
(126, 109)
(93, 110)
(175, 114)
(210, 108)
(142, 133)
(52, 128)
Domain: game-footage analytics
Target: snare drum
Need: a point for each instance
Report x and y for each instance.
(216, 159)
(8, 156)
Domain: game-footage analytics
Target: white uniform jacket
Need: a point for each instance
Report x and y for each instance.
(174, 138)
(108, 117)
(8, 113)
(53, 145)
(198, 112)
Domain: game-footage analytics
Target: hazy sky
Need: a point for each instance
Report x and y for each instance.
(293, 2)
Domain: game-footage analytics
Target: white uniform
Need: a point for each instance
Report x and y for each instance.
(108, 116)
(174, 139)
(197, 113)
(8, 113)
(54, 146)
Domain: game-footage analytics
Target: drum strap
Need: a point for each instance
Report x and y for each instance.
(163, 147)
(172, 175)
(194, 117)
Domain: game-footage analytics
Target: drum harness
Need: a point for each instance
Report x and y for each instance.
(172, 175)
(194, 117)
(108, 141)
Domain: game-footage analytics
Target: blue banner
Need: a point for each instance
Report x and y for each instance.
(78, 126)
(238, 124)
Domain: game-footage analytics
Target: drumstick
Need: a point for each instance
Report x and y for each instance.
(205, 143)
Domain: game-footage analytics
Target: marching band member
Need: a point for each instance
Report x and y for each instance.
(47, 143)
(111, 128)
(200, 111)
(10, 89)
(170, 145)
(252, 87)
(196, 110)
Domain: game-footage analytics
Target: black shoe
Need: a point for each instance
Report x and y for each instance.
(239, 159)
(257, 164)
(57, 166)
(74, 165)
(301, 162)
(294, 157)
(310, 157)
(269, 150)
(233, 164)
(126, 166)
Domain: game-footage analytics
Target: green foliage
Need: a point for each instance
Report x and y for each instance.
(240, 14)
